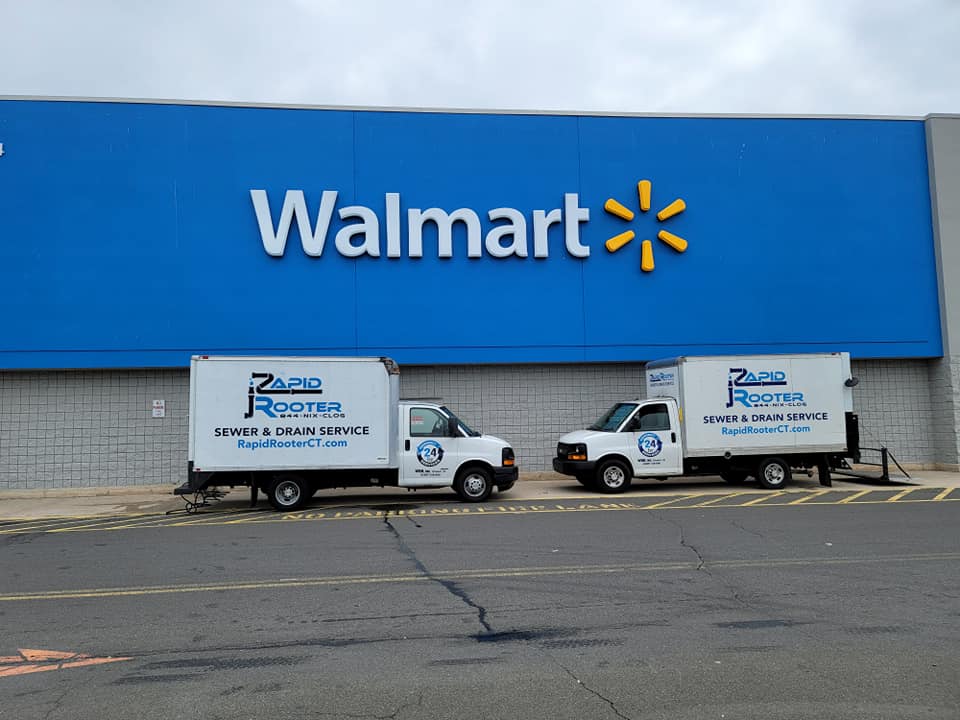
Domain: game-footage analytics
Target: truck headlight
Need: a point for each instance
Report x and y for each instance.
(572, 452)
(508, 458)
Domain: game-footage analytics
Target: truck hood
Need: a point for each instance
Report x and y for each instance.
(582, 436)
(494, 441)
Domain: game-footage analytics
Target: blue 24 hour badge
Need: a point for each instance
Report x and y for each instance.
(429, 453)
(650, 444)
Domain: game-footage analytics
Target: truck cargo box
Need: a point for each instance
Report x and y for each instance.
(756, 404)
(276, 413)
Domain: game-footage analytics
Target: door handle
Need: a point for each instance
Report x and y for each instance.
(406, 445)
(673, 437)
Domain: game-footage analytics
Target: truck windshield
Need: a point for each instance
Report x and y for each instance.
(612, 419)
(466, 428)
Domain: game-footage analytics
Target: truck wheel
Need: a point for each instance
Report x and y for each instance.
(613, 476)
(774, 473)
(288, 492)
(473, 484)
(734, 477)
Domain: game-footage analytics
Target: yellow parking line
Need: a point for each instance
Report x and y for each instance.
(708, 503)
(901, 494)
(851, 498)
(943, 494)
(91, 516)
(48, 524)
(479, 574)
(41, 522)
(154, 522)
(100, 524)
(252, 518)
(45, 527)
(810, 496)
(760, 499)
(200, 518)
(671, 500)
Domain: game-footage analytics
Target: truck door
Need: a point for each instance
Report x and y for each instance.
(430, 455)
(656, 449)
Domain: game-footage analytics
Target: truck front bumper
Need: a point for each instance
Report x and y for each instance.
(573, 467)
(505, 477)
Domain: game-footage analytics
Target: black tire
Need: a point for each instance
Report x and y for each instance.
(289, 492)
(613, 476)
(473, 484)
(585, 479)
(773, 473)
(734, 477)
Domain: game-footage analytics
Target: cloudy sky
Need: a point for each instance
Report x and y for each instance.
(761, 56)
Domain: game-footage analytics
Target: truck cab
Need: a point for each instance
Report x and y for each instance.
(440, 450)
(636, 438)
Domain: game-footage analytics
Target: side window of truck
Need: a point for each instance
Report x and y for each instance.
(426, 422)
(652, 417)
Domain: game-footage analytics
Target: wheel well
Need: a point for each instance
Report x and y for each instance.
(615, 456)
(472, 464)
(785, 461)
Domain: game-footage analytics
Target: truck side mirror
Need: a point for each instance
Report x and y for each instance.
(453, 428)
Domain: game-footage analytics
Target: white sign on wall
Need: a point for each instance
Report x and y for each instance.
(508, 238)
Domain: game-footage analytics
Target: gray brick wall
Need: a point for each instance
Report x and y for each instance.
(893, 401)
(530, 406)
(945, 408)
(88, 428)
(91, 428)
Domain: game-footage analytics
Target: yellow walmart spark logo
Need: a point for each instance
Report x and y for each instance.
(644, 188)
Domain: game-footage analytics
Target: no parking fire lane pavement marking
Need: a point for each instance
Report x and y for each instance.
(440, 508)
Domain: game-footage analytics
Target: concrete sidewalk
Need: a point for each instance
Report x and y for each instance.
(93, 501)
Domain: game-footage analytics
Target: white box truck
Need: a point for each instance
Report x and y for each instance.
(289, 426)
(739, 416)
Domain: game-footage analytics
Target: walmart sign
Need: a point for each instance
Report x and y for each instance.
(506, 239)
(509, 238)
(136, 234)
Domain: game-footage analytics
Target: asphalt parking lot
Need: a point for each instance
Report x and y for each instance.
(679, 602)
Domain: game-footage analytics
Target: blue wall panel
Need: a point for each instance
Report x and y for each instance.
(481, 162)
(128, 237)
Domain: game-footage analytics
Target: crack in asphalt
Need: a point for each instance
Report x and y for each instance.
(57, 703)
(448, 585)
(701, 563)
(747, 530)
(391, 716)
(590, 690)
(24, 538)
(417, 704)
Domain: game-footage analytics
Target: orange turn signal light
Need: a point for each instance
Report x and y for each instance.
(508, 462)
(576, 457)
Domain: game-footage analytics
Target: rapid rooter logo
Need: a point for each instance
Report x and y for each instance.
(748, 388)
(265, 387)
